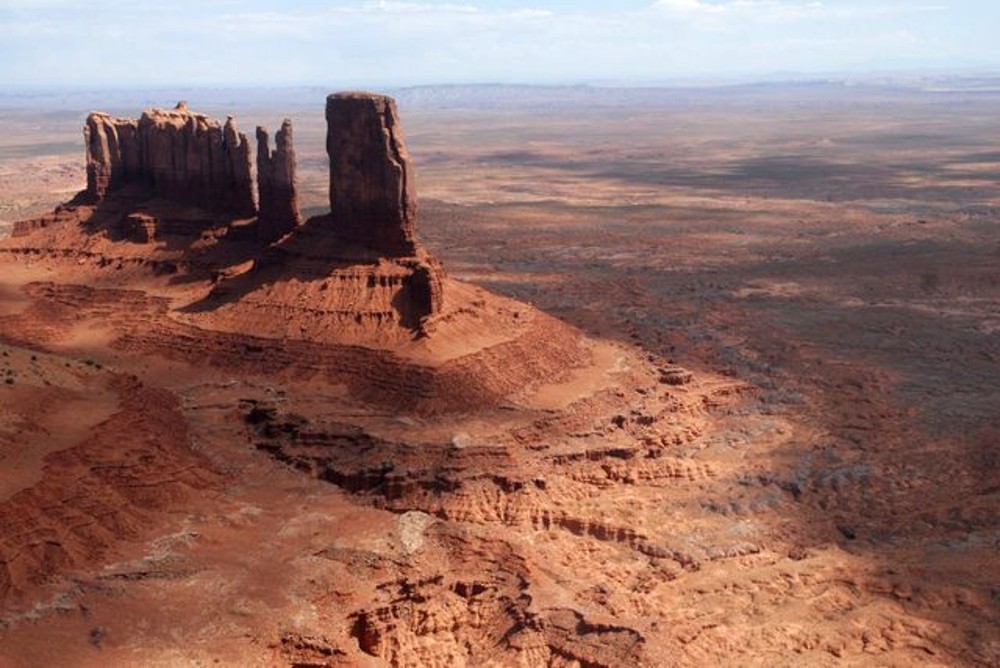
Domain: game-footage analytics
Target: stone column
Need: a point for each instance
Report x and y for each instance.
(372, 196)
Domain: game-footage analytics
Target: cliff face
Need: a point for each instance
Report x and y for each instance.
(103, 137)
(183, 156)
(372, 196)
(279, 205)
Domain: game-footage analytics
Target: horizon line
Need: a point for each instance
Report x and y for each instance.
(708, 81)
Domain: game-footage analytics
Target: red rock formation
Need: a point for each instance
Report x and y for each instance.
(279, 205)
(372, 196)
(426, 286)
(104, 154)
(370, 274)
(183, 156)
(139, 227)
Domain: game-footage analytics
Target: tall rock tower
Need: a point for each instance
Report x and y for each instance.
(372, 196)
(278, 209)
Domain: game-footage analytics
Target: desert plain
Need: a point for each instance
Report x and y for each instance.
(755, 421)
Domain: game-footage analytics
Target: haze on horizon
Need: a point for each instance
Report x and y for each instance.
(394, 42)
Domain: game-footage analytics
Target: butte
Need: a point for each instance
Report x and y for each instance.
(175, 250)
(188, 348)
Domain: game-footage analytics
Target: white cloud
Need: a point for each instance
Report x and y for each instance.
(413, 41)
(771, 11)
(772, 8)
(687, 6)
(392, 6)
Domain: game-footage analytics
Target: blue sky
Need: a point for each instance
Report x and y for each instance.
(397, 42)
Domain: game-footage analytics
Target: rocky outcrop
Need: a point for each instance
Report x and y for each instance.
(103, 136)
(358, 274)
(372, 198)
(278, 200)
(95, 494)
(181, 155)
(427, 287)
(63, 214)
(138, 227)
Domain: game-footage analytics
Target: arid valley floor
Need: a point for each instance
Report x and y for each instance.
(764, 428)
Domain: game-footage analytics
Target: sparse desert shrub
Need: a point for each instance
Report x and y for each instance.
(788, 397)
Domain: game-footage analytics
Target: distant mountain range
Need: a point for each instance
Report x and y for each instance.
(501, 96)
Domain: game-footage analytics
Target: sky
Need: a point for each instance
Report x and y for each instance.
(412, 42)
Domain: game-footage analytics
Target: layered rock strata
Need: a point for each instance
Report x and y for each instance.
(181, 155)
(278, 199)
(372, 196)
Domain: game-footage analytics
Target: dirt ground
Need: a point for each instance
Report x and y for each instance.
(784, 448)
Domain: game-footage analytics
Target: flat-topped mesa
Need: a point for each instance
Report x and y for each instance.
(277, 195)
(181, 155)
(372, 196)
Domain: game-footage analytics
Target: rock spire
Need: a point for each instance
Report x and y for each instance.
(372, 197)
(278, 211)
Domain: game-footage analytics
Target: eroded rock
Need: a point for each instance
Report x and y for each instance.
(181, 155)
(279, 206)
(372, 197)
(368, 277)
(139, 227)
